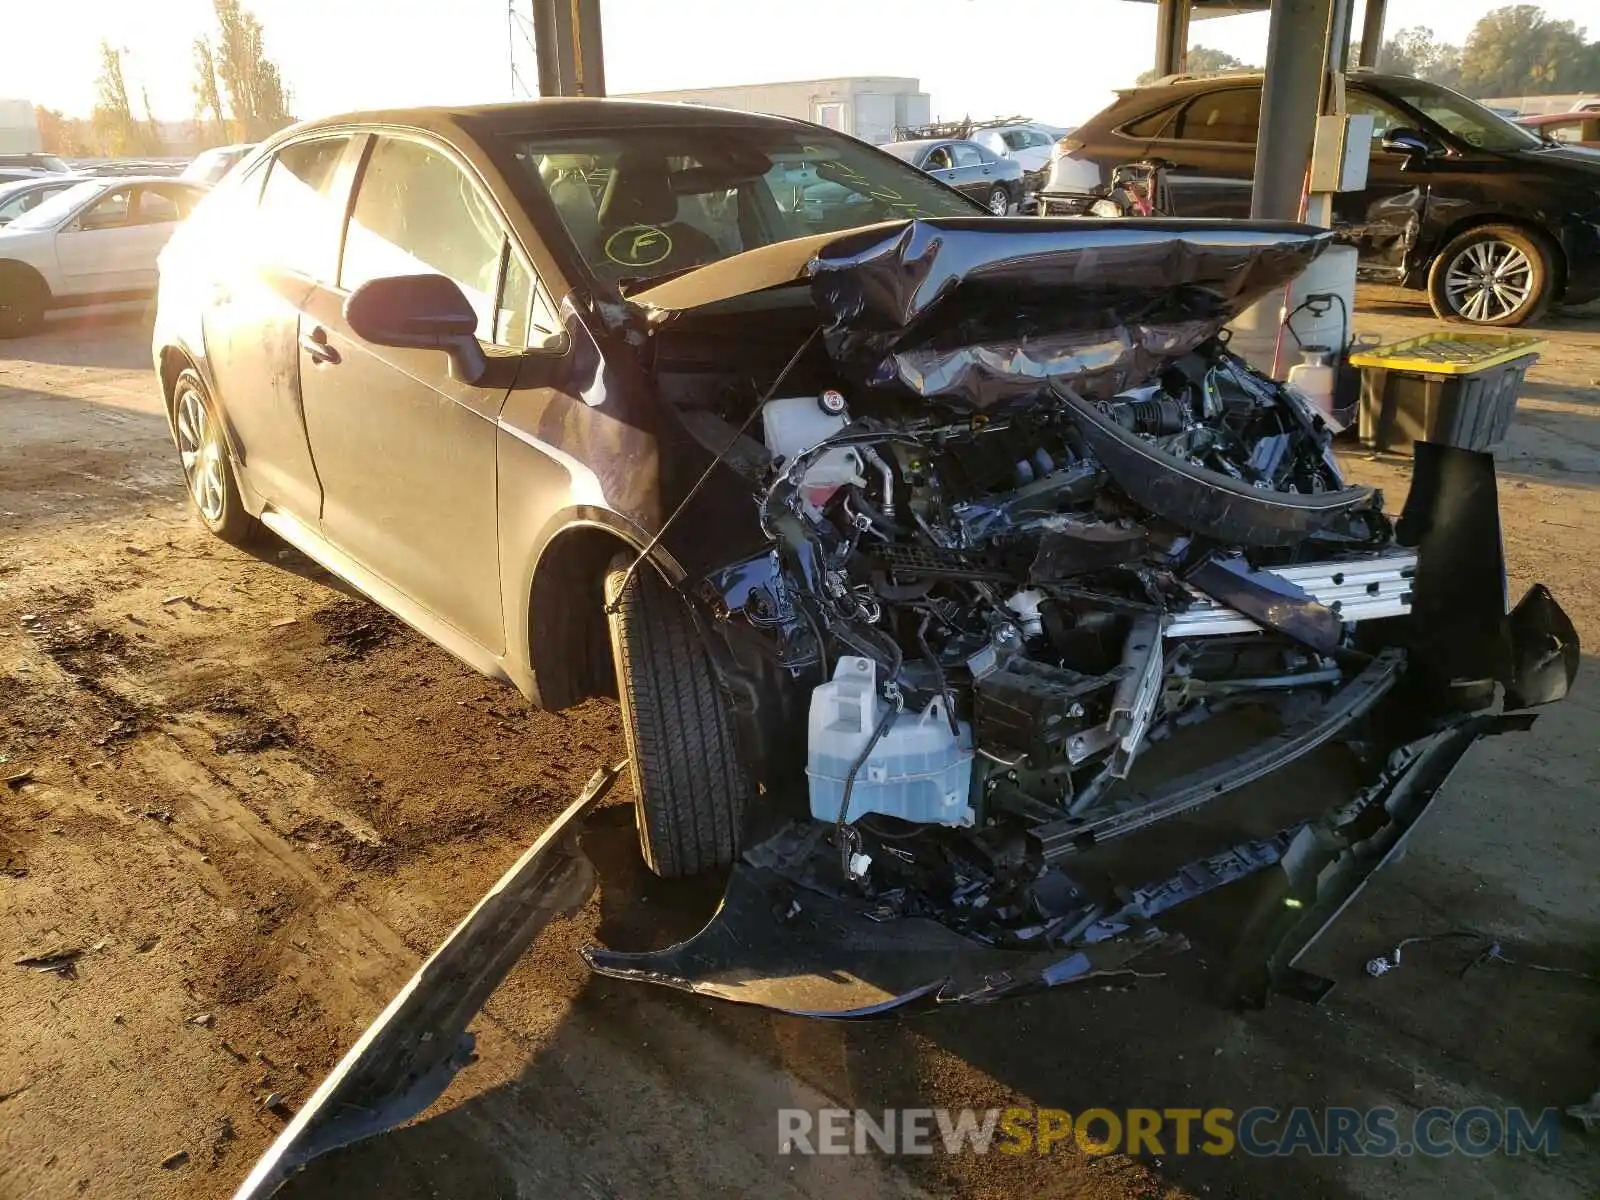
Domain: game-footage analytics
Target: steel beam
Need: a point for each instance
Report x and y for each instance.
(1290, 99)
(569, 47)
(1371, 33)
(1172, 37)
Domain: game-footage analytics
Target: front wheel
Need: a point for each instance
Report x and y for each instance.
(688, 779)
(999, 202)
(1492, 275)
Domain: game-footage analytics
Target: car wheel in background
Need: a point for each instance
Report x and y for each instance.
(688, 779)
(1492, 275)
(207, 470)
(23, 299)
(999, 202)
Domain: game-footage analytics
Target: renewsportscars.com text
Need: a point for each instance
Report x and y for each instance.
(1260, 1132)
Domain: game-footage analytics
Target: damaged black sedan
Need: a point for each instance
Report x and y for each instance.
(950, 570)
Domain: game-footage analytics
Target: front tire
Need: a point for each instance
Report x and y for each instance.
(207, 469)
(999, 202)
(1492, 275)
(688, 780)
(23, 300)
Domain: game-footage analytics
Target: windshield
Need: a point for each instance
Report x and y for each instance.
(57, 208)
(645, 203)
(1466, 119)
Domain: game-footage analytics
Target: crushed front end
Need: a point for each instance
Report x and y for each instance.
(1059, 579)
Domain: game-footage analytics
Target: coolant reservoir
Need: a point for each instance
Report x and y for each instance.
(1314, 376)
(794, 424)
(918, 771)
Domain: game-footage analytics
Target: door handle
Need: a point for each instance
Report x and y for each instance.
(315, 343)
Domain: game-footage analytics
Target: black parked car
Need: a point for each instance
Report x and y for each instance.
(1492, 221)
(994, 182)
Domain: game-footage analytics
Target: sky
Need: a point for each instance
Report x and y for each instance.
(1054, 60)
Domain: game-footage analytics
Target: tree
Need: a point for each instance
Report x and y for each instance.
(255, 86)
(208, 95)
(1518, 51)
(1202, 60)
(1416, 51)
(150, 121)
(116, 130)
(61, 134)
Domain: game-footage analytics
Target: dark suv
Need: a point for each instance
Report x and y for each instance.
(1491, 220)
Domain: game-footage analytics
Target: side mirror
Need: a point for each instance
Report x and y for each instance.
(423, 312)
(1409, 142)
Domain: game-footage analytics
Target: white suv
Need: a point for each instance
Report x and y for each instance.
(97, 241)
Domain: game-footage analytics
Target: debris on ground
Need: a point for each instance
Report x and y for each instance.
(259, 733)
(1588, 1112)
(175, 1160)
(205, 1019)
(21, 777)
(62, 962)
(1488, 951)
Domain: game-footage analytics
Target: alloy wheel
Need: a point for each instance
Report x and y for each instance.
(200, 446)
(1489, 280)
(999, 204)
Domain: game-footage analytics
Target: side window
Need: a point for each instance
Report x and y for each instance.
(939, 159)
(1232, 115)
(155, 208)
(108, 212)
(1017, 139)
(967, 156)
(1384, 117)
(299, 220)
(416, 213)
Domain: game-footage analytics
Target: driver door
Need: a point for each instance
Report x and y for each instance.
(1382, 220)
(99, 250)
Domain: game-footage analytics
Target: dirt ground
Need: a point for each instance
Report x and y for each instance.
(247, 804)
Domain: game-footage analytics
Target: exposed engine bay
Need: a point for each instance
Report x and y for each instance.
(1043, 521)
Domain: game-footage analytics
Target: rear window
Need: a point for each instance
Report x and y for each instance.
(299, 225)
(1152, 124)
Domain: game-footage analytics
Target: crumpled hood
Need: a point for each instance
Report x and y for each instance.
(980, 312)
(976, 312)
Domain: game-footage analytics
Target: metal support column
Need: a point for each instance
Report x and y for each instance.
(567, 43)
(1172, 37)
(1290, 98)
(1371, 33)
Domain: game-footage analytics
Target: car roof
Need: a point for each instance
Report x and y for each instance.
(563, 114)
(1183, 85)
(919, 143)
(59, 179)
(123, 180)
